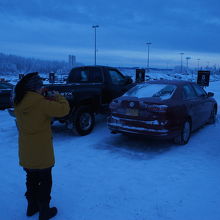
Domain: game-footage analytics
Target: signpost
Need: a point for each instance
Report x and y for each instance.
(203, 78)
(20, 76)
(140, 75)
(51, 77)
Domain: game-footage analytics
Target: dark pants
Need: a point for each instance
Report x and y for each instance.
(39, 184)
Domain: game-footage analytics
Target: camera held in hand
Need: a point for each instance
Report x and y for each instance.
(49, 94)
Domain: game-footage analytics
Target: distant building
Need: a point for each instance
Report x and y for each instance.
(72, 60)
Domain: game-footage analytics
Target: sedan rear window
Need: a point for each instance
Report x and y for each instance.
(188, 92)
(199, 91)
(162, 91)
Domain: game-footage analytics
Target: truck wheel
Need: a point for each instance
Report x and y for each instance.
(185, 134)
(84, 121)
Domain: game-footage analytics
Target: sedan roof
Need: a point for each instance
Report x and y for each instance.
(172, 82)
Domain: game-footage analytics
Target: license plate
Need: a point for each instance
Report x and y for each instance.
(132, 112)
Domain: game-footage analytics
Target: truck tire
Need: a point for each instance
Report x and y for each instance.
(84, 121)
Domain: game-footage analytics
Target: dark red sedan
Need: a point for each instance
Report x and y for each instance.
(163, 108)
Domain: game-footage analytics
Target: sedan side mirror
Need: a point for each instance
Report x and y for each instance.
(210, 94)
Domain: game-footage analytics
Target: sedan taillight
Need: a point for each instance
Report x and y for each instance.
(114, 104)
(156, 108)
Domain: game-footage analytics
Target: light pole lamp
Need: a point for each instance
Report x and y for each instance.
(148, 54)
(181, 66)
(95, 26)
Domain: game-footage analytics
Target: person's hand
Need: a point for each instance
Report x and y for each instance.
(43, 91)
(52, 93)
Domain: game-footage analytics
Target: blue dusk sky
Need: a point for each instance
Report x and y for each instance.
(53, 29)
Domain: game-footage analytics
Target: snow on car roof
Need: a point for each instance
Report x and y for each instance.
(156, 90)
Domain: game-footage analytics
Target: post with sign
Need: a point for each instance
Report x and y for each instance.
(51, 77)
(140, 75)
(20, 76)
(203, 78)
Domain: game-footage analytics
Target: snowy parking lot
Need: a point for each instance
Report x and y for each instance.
(103, 176)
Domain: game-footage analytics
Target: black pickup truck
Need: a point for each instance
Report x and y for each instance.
(89, 90)
(6, 90)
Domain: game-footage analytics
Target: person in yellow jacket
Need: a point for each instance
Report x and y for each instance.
(36, 155)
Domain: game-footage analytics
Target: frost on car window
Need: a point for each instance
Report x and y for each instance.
(162, 91)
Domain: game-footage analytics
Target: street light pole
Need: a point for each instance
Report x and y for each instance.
(181, 70)
(198, 63)
(187, 63)
(95, 26)
(187, 66)
(208, 64)
(148, 54)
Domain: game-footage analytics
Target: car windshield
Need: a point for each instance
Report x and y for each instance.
(162, 91)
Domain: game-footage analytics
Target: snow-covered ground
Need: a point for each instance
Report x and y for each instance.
(113, 177)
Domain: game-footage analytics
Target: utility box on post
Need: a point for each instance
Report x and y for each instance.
(203, 78)
(51, 77)
(140, 75)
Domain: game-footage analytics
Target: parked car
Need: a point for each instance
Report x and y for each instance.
(5, 95)
(164, 109)
(89, 90)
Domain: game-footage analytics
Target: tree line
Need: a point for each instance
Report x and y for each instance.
(19, 64)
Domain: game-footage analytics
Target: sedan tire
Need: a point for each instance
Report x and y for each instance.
(185, 134)
(212, 118)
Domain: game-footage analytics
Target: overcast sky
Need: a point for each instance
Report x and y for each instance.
(52, 29)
